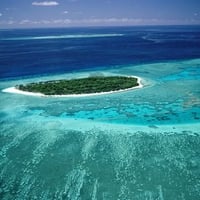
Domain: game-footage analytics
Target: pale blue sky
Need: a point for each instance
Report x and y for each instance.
(67, 13)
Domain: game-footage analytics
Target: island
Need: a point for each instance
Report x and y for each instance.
(78, 87)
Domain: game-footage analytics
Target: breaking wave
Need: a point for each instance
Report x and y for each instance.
(64, 37)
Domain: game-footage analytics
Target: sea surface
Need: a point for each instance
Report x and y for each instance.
(142, 144)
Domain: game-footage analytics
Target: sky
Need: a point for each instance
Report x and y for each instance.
(75, 13)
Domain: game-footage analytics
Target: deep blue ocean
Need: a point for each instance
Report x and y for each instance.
(141, 144)
(28, 52)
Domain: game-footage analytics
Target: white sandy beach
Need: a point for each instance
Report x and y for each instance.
(17, 91)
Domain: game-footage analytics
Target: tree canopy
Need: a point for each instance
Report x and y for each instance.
(81, 86)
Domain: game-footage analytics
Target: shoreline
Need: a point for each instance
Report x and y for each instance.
(14, 90)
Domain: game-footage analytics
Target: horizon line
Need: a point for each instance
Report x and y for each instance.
(100, 26)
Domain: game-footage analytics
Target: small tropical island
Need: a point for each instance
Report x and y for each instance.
(78, 87)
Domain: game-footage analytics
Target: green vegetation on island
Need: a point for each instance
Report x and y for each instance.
(81, 86)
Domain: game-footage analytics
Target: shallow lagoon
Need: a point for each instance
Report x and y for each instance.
(139, 144)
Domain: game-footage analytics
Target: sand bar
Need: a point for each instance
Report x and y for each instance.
(86, 125)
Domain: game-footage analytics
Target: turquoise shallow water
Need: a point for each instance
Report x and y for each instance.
(140, 144)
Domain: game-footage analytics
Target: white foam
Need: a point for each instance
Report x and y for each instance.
(65, 36)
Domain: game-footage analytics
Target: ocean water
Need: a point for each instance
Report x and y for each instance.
(142, 144)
